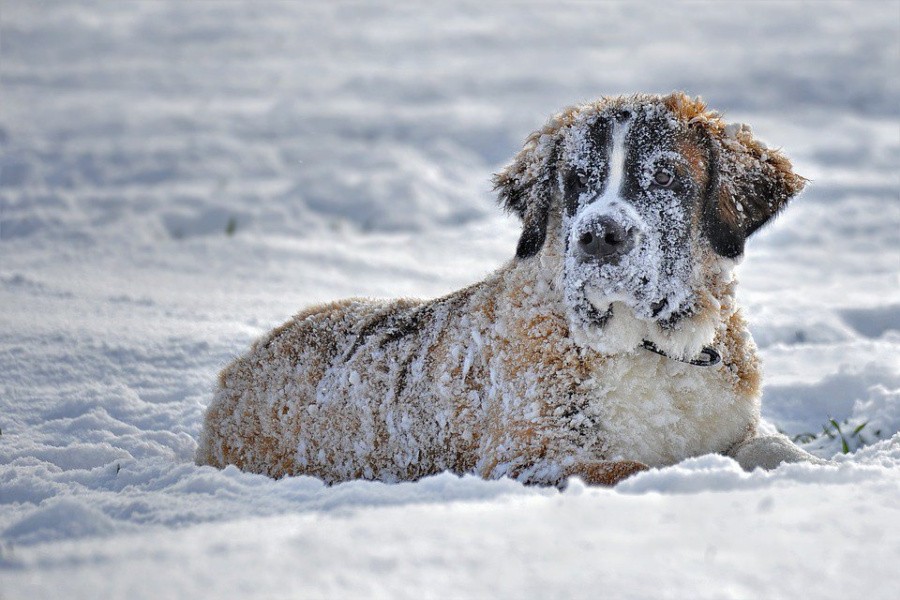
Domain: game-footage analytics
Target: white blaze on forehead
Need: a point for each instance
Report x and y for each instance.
(617, 158)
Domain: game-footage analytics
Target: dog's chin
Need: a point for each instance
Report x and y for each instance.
(615, 325)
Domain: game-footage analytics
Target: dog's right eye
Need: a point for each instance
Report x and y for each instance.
(583, 179)
(577, 183)
(663, 178)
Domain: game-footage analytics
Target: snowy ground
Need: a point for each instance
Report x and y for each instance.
(176, 178)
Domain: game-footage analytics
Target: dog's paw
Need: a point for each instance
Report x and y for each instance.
(605, 472)
(767, 452)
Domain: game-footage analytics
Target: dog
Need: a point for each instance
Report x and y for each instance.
(609, 344)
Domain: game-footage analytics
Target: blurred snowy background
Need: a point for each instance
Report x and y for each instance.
(178, 177)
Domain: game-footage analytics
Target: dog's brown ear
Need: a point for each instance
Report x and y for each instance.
(749, 185)
(525, 188)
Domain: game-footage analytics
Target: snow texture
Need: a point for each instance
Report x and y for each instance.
(178, 178)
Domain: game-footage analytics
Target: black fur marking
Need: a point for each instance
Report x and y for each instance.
(377, 322)
(766, 195)
(722, 237)
(573, 188)
(538, 196)
(406, 324)
(676, 317)
(533, 235)
(659, 306)
(601, 142)
(643, 135)
(597, 171)
(404, 374)
(414, 322)
(596, 317)
(512, 197)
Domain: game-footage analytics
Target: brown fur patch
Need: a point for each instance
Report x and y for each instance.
(740, 357)
(605, 472)
(695, 157)
(743, 202)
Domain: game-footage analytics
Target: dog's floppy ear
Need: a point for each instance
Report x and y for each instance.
(749, 184)
(525, 188)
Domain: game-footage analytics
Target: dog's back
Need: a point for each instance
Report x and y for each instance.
(344, 391)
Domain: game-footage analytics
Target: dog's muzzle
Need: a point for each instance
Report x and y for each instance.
(604, 239)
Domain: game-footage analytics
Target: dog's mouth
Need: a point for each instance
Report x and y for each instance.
(620, 322)
(664, 310)
(648, 291)
(654, 290)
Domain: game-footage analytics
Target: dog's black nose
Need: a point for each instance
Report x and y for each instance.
(606, 239)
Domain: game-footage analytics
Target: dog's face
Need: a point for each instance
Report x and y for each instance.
(644, 200)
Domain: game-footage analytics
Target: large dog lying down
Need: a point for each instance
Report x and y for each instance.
(610, 343)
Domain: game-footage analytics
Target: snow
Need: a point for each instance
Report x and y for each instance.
(349, 151)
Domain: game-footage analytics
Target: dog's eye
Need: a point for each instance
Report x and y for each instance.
(583, 178)
(663, 178)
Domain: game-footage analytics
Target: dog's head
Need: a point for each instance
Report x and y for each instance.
(641, 203)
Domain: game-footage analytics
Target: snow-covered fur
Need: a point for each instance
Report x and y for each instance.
(634, 210)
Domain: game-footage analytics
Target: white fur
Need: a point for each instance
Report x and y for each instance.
(616, 165)
(660, 410)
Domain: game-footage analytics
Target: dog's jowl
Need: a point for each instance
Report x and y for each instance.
(609, 343)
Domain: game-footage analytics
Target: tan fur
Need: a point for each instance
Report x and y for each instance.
(606, 472)
(696, 160)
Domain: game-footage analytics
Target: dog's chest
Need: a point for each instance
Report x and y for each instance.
(660, 411)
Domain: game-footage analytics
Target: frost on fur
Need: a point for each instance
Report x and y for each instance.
(633, 210)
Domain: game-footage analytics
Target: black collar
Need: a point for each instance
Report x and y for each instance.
(707, 357)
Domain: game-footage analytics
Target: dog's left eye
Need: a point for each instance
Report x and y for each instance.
(663, 178)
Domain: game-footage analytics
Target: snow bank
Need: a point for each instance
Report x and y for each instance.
(779, 541)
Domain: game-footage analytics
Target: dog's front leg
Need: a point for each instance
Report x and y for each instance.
(605, 472)
(769, 451)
